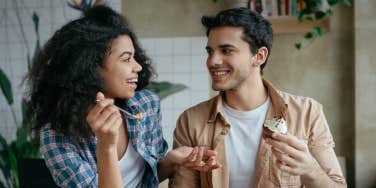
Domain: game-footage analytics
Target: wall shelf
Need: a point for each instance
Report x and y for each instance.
(290, 25)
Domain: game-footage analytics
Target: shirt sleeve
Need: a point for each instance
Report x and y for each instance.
(67, 167)
(160, 141)
(321, 146)
(184, 177)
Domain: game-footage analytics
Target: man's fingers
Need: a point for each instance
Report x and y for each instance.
(284, 148)
(284, 158)
(290, 140)
(287, 168)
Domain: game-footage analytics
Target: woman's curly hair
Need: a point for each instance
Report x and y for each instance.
(64, 77)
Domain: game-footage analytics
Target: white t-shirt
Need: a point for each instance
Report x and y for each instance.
(132, 167)
(243, 142)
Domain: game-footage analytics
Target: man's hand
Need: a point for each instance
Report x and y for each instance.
(197, 158)
(293, 155)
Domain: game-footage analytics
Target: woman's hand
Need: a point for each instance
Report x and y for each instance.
(197, 158)
(104, 120)
(293, 155)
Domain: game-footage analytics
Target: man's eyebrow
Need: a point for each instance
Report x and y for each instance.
(227, 46)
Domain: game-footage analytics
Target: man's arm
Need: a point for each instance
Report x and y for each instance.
(317, 169)
(321, 146)
(316, 161)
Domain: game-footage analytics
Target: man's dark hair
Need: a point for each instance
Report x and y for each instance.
(257, 31)
(65, 75)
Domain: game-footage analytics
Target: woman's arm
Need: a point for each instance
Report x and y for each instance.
(108, 167)
(197, 158)
(105, 120)
(66, 165)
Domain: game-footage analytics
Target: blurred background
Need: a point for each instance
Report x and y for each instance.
(337, 66)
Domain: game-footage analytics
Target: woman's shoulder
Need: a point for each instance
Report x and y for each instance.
(146, 96)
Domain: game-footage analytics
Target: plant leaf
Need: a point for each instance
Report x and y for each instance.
(347, 2)
(35, 18)
(6, 87)
(318, 30)
(329, 12)
(298, 45)
(300, 16)
(164, 89)
(319, 15)
(309, 18)
(13, 164)
(308, 35)
(332, 2)
(2, 185)
(4, 160)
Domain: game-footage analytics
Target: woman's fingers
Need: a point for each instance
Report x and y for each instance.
(192, 156)
(200, 154)
(112, 122)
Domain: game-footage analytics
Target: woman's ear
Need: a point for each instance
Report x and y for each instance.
(260, 56)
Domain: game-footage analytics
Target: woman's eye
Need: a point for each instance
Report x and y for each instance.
(127, 60)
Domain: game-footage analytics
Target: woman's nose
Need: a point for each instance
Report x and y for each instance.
(137, 67)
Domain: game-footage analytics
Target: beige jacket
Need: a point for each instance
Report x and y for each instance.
(205, 125)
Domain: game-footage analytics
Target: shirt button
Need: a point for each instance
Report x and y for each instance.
(224, 132)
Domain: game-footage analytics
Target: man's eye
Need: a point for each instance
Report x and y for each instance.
(226, 51)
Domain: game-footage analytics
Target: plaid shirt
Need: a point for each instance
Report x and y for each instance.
(75, 165)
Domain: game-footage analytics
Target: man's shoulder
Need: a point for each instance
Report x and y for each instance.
(297, 100)
(203, 107)
(300, 104)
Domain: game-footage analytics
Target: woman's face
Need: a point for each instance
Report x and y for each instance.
(120, 70)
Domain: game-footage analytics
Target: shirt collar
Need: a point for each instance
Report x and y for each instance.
(278, 105)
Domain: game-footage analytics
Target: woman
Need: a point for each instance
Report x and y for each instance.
(98, 127)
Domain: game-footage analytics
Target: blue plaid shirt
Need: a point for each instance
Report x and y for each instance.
(75, 165)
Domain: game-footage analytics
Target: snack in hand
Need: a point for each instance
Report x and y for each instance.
(277, 125)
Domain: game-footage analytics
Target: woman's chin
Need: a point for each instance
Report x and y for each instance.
(128, 95)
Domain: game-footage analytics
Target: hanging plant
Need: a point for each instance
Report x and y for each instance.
(312, 12)
(305, 11)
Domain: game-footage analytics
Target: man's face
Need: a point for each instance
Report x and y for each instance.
(229, 58)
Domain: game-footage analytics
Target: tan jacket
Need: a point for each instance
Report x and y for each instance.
(205, 125)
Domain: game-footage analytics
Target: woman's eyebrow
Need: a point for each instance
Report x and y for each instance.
(126, 53)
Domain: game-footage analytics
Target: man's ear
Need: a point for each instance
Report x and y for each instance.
(260, 56)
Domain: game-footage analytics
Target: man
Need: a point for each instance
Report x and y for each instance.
(238, 47)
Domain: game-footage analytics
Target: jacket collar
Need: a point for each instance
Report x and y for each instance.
(278, 105)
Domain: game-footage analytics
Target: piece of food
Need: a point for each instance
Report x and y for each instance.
(277, 125)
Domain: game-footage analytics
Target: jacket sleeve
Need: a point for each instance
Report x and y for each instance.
(66, 166)
(183, 177)
(321, 146)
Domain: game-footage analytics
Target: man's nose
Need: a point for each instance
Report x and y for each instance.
(214, 59)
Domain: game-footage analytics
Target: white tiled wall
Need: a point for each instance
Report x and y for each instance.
(179, 60)
(14, 47)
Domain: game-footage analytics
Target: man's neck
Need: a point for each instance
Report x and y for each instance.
(249, 96)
